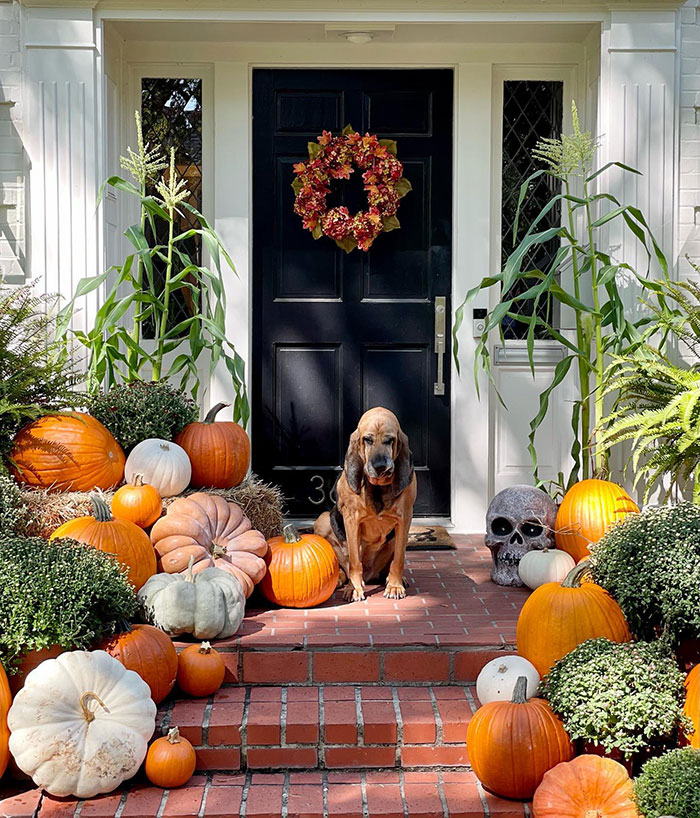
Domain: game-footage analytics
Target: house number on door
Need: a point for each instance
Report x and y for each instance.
(318, 486)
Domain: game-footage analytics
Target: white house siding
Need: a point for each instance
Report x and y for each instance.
(688, 233)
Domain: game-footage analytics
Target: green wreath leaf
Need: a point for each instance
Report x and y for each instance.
(317, 232)
(347, 130)
(402, 187)
(297, 185)
(390, 223)
(349, 243)
(390, 145)
(314, 149)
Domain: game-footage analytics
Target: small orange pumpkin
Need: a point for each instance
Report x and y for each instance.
(129, 544)
(557, 617)
(5, 702)
(587, 511)
(302, 571)
(200, 670)
(218, 450)
(512, 744)
(138, 502)
(170, 760)
(590, 785)
(149, 652)
(67, 452)
(692, 704)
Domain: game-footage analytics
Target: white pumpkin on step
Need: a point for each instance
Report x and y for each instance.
(81, 724)
(162, 464)
(547, 565)
(497, 678)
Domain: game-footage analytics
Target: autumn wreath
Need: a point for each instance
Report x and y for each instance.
(333, 157)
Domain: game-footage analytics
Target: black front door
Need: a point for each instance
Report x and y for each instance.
(335, 334)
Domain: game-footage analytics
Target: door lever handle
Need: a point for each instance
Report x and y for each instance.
(440, 343)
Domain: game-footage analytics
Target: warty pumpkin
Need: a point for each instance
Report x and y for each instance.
(201, 670)
(170, 761)
(213, 533)
(512, 744)
(162, 464)
(137, 502)
(590, 786)
(218, 450)
(557, 617)
(150, 653)
(125, 540)
(692, 704)
(587, 511)
(302, 571)
(67, 452)
(5, 703)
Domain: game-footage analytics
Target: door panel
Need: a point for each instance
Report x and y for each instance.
(335, 334)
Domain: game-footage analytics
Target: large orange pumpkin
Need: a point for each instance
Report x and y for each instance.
(5, 702)
(590, 786)
(301, 571)
(71, 451)
(218, 450)
(557, 617)
(587, 511)
(149, 652)
(129, 544)
(512, 744)
(692, 704)
(138, 502)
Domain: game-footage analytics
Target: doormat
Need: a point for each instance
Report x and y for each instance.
(429, 537)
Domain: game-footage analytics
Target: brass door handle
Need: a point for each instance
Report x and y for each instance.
(440, 343)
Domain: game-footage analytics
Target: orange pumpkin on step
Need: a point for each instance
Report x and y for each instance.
(67, 452)
(170, 760)
(692, 704)
(201, 670)
(5, 702)
(590, 785)
(218, 450)
(302, 571)
(138, 502)
(512, 744)
(129, 544)
(557, 617)
(587, 511)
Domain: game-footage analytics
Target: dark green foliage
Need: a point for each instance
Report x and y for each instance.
(58, 593)
(13, 512)
(670, 785)
(143, 409)
(650, 563)
(619, 696)
(35, 374)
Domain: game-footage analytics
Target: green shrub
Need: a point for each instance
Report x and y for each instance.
(650, 563)
(143, 409)
(670, 785)
(619, 696)
(13, 512)
(58, 593)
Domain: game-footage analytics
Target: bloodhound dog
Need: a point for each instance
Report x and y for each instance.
(368, 527)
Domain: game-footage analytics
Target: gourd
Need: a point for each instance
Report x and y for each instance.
(218, 450)
(129, 544)
(150, 653)
(213, 533)
(590, 786)
(170, 761)
(692, 704)
(201, 670)
(208, 605)
(548, 565)
(5, 702)
(137, 502)
(587, 511)
(557, 617)
(162, 464)
(302, 571)
(512, 744)
(67, 452)
(497, 678)
(81, 723)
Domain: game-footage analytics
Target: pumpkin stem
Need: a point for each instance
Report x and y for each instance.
(137, 480)
(189, 576)
(593, 813)
(85, 699)
(520, 691)
(174, 735)
(205, 647)
(291, 535)
(217, 550)
(100, 509)
(214, 411)
(576, 574)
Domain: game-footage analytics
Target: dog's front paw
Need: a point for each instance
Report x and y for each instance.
(353, 594)
(394, 590)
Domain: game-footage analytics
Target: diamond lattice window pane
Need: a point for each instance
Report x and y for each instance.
(532, 110)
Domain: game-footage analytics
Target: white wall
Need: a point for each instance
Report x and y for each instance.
(688, 233)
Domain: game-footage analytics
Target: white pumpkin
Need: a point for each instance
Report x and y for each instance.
(497, 679)
(209, 604)
(548, 565)
(162, 464)
(81, 724)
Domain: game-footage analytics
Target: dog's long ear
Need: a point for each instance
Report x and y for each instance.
(403, 464)
(354, 464)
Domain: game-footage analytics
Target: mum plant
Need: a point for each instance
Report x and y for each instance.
(533, 298)
(116, 351)
(670, 785)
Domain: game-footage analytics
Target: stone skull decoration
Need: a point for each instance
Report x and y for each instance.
(519, 519)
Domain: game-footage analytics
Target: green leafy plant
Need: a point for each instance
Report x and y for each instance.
(118, 353)
(670, 785)
(13, 512)
(142, 409)
(530, 296)
(35, 375)
(650, 563)
(618, 696)
(58, 593)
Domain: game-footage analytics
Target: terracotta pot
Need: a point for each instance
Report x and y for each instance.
(31, 660)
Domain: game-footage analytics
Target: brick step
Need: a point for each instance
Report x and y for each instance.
(358, 794)
(326, 727)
